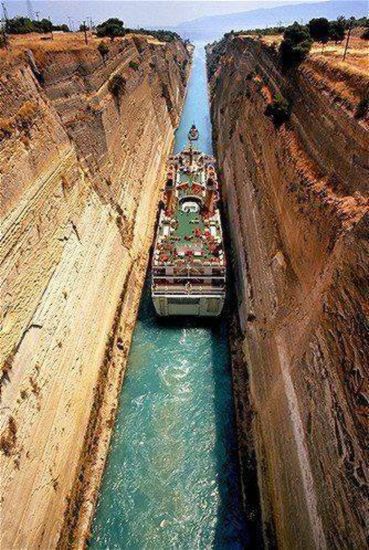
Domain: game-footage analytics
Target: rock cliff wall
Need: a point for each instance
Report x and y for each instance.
(297, 200)
(80, 170)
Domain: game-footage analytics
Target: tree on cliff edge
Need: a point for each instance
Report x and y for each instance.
(112, 28)
(295, 45)
(337, 30)
(319, 29)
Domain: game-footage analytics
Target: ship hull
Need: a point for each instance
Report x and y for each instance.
(197, 306)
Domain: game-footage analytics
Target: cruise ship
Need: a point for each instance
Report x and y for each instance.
(189, 264)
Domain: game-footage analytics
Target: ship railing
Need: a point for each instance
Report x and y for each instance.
(163, 290)
(187, 277)
(193, 294)
(189, 284)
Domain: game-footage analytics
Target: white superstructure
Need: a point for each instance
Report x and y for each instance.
(188, 265)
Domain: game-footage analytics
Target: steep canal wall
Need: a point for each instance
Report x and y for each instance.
(83, 142)
(297, 202)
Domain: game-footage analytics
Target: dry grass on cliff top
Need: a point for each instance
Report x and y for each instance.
(346, 80)
(41, 43)
(62, 42)
(357, 59)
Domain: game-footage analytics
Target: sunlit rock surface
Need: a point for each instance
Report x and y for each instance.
(80, 175)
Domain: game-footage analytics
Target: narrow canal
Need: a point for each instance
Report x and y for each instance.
(172, 477)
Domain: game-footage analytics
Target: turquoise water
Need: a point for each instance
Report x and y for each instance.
(196, 107)
(172, 474)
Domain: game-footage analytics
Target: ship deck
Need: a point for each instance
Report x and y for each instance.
(190, 236)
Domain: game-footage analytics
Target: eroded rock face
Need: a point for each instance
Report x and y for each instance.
(297, 199)
(80, 170)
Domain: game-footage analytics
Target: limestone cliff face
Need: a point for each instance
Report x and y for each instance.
(80, 170)
(297, 198)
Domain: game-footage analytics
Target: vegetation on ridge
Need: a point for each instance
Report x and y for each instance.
(103, 49)
(133, 65)
(113, 28)
(298, 39)
(117, 86)
(319, 29)
(24, 25)
(362, 108)
(295, 46)
(279, 110)
(341, 22)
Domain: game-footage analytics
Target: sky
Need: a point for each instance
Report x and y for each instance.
(150, 13)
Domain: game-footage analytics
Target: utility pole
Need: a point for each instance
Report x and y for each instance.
(52, 34)
(85, 32)
(347, 40)
(5, 13)
(37, 14)
(29, 10)
(3, 26)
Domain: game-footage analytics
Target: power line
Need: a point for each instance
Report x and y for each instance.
(3, 28)
(5, 13)
(52, 34)
(85, 31)
(29, 9)
(347, 39)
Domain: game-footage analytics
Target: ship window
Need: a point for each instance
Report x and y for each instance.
(179, 301)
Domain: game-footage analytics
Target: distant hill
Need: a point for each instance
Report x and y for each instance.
(213, 27)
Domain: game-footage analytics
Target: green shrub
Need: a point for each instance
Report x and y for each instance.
(2, 41)
(133, 65)
(362, 107)
(161, 35)
(24, 25)
(117, 86)
(103, 49)
(19, 25)
(63, 28)
(337, 30)
(365, 34)
(279, 110)
(319, 29)
(112, 28)
(295, 45)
